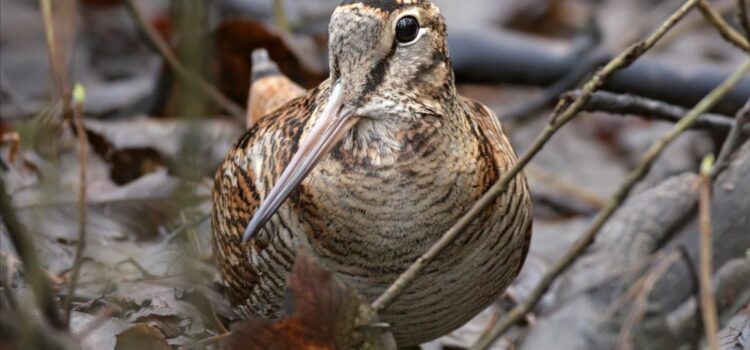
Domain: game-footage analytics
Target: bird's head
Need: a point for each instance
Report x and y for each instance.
(388, 59)
(388, 53)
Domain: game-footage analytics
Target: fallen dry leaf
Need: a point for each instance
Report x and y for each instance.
(327, 315)
(142, 337)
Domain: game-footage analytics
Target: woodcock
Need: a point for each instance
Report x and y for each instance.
(366, 172)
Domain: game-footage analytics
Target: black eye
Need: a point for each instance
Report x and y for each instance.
(407, 29)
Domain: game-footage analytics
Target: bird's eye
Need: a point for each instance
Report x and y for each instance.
(407, 29)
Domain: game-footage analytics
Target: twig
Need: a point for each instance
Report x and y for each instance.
(639, 307)
(184, 228)
(549, 95)
(174, 63)
(566, 188)
(726, 31)
(58, 71)
(734, 139)
(211, 340)
(43, 293)
(626, 104)
(279, 16)
(641, 168)
(141, 269)
(743, 18)
(94, 324)
(695, 279)
(83, 145)
(707, 296)
(558, 120)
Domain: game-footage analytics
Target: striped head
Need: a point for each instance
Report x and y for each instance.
(389, 53)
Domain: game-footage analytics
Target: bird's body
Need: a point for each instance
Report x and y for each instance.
(408, 159)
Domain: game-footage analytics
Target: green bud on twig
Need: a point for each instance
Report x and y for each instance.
(707, 166)
(79, 94)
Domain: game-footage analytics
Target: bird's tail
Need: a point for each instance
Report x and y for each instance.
(269, 88)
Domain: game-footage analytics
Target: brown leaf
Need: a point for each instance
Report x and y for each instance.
(235, 42)
(126, 164)
(142, 337)
(327, 315)
(135, 147)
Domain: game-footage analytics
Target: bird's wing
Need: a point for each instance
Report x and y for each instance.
(491, 130)
(245, 177)
(505, 157)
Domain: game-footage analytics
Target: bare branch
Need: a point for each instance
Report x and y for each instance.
(538, 103)
(734, 140)
(58, 70)
(83, 149)
(625, 104)
(707, 296)
(743, 17)
(641, 168)
(36, 277)
(558, 120)
(726, 31)
(644, 290)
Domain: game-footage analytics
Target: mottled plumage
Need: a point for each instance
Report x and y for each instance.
(377, 162)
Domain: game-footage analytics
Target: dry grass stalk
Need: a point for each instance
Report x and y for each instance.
(707, 295)
(83, 149)
(642, 292)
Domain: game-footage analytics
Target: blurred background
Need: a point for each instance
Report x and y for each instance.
(166, 84)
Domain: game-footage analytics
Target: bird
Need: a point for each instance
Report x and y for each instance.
(366, 171)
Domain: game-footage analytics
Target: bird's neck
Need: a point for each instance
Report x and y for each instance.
(391, 140)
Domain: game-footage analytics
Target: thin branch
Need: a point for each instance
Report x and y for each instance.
(641, 301)
(743, 17)
(57, 54)
(102, 316)
(558, 120)
(695, 280)
(174, 63)
(83, 149)
(626, 104)
(566, 188)
(58, 71)
(707, 296)
(184, 228)
(734, 139)
(142, 270)
(549, 95)
(726, 31)
(211, 341)
(279, 16)
(35, 276)
(641, 169)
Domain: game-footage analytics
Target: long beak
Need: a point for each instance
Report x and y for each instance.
(331, 126)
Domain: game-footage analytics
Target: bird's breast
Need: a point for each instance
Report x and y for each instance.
(373, 211)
